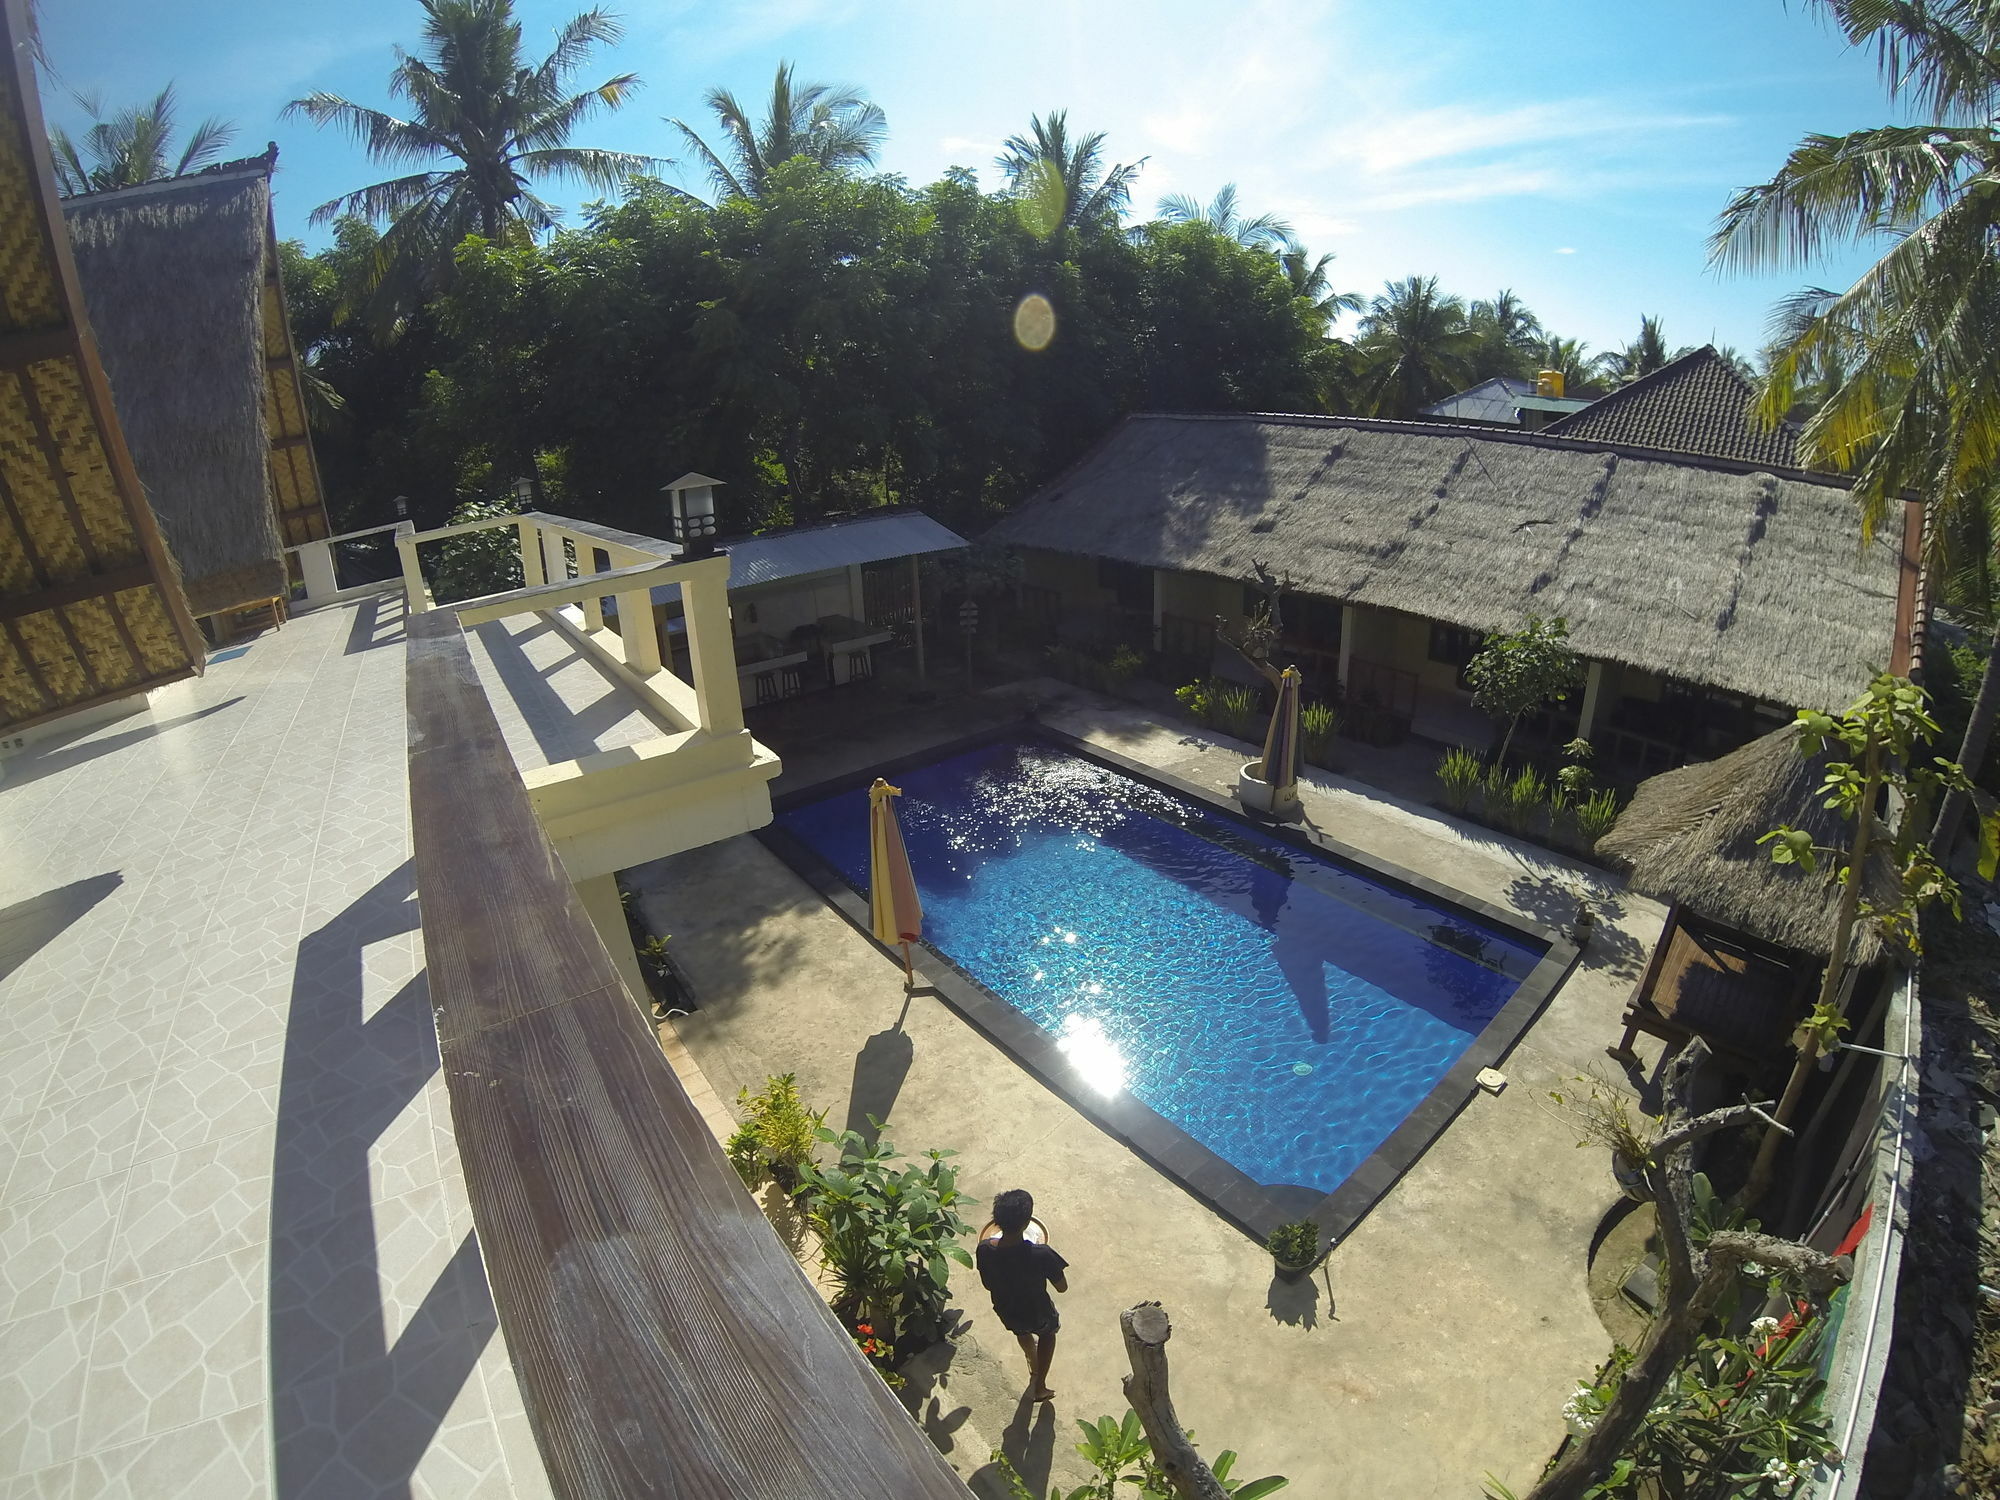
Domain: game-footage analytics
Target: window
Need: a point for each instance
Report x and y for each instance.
(1312, 621)
(1453, 645)
(1131, 583)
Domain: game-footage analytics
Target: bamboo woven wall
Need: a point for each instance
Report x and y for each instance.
(90, 605)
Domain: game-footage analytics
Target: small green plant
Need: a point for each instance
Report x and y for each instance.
(1121, 1455)
(780, 1130)
(1123, 665)
(1294, 1244)
(1522, 798)
(1573, 782)
(889, 1230)
(1319, 723)
(1236, 711)
(1197, 699)
(878, 1353)
(1595, 817)
(1459, 775)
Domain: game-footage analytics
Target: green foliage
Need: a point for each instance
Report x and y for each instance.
(1294, 1244)
(889, 1229)
(1319, 724)
(1882, 732)
(779, 1129)
(1120, 1453)
(745, 1150)
(1521, 799)
(1518, 671)
(1459, 775)
(1236, 711)
(1595, 816)
(1124, 663)
(1197, 699)
(475, 562)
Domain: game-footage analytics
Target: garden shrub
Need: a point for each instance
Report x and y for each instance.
(1319, 723)
(1459, 775)
(776, 1139)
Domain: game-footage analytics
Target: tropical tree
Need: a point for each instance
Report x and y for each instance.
(836, 128)
(1573, 360)
(1062, 183)
(1415, 347)
(133, 146)
(485, 124)
(1311, 284)
(1518, 671)
(1908, 356)
(1265, 232)
(1509, 336)
(1640, 358)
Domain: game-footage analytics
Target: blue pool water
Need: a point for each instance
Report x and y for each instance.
(1283, 1010)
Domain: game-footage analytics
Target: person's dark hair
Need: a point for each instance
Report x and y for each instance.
(1012, 1209)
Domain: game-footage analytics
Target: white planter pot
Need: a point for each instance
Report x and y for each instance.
(1259, 795)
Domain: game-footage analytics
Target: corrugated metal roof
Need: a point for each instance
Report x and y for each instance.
(1495, 400)
(838, 544)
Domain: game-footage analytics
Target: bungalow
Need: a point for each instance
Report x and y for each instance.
(1709, 596)
(1506, 401)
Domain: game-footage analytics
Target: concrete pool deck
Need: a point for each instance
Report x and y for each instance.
(1441, 1337)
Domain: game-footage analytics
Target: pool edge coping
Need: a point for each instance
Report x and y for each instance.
(1218, 1184)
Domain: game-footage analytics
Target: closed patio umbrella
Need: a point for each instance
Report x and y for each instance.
(1281, 745)
(894, 910)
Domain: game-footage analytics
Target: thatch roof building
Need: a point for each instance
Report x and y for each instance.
(1708, 571)
(181, 281)
(90, 607)
(1697, 403)
(1690, 837)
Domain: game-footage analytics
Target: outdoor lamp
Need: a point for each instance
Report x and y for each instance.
(524, 490)
(692, 498)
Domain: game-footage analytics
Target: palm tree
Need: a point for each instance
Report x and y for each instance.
(1508, 335)
(484, 124)
(1265, 232)
(1310, 283)
(1415, 347)
(1062, 184)
(1641, 357)
(1572, 359)
(1908, 357)
(837, 128)
(133, 146)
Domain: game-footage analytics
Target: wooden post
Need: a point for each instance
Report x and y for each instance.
(415, 598)
(639, 632)
(1146, 1331)
(1159, 605)
(1593, 694)
(1349, 616)
(531, 554)
(917, 610)
(316, 568)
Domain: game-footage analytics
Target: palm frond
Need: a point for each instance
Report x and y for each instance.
(726, 183)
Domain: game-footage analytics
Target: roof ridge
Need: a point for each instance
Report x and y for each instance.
(1546, 437)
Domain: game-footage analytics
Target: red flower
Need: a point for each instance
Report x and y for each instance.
(863, 1328)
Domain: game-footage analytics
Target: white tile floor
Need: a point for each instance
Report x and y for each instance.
(235, 1253)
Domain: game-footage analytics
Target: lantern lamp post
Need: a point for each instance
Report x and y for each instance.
(692, 501)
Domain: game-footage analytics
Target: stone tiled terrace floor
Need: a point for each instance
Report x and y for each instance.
(235, 1253)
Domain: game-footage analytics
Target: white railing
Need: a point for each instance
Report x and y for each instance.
(319, 569)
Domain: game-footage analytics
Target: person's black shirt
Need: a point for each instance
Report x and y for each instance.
(1018, 1273)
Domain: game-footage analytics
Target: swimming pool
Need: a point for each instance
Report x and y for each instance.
(1285, 1011)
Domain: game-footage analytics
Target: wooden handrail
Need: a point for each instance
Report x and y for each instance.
(665, 1341)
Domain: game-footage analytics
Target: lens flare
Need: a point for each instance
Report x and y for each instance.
(1034, 322)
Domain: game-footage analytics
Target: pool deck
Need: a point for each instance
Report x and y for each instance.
(1440, 1338)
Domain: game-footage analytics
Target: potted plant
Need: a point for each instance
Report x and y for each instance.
(1294, 1247)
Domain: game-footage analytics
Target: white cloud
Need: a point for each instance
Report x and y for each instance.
(1565, 249)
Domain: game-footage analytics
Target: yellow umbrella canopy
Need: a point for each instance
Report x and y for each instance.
(895, 912)
(1281, 744)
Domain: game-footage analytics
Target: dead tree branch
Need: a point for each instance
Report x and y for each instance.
(1146, 1332)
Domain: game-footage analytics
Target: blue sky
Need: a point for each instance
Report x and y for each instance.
(1577, 153)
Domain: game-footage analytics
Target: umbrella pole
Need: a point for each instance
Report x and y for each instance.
(909, 974)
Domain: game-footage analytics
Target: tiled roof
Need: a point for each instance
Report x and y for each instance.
(1695, 404)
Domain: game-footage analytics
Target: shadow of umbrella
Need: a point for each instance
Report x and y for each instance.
(879, 1070)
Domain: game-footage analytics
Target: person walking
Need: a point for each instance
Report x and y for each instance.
(1018, 1271)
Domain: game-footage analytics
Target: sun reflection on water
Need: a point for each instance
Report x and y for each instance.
(1090, 1050)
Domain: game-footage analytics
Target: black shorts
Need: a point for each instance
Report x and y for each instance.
(1034, 1324)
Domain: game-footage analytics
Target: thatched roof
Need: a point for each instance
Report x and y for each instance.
(1706, 571)
(174, 279)
(1695, 404)
(1690, 836)
(90, 609)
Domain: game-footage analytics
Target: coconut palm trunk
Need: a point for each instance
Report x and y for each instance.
(1971, 750)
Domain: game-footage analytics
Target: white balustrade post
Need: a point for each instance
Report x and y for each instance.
(316, 567)
(531, 554)
(711, 651)
(555, 567)
(416, 599)
(637, 630)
